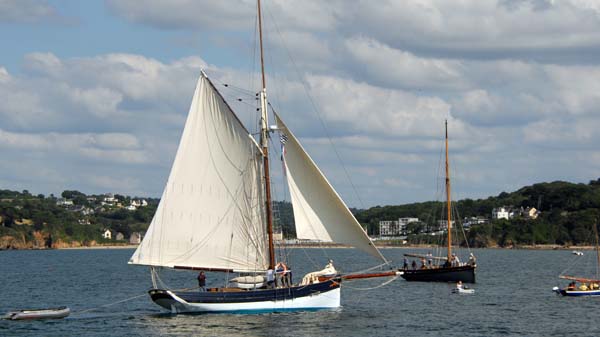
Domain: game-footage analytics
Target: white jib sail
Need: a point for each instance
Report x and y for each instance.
(319, 212)
(211, 213)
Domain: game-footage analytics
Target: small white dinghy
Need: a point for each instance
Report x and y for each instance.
(52, 313)
(463, 291)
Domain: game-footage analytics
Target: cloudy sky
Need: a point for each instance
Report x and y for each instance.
(94, 94)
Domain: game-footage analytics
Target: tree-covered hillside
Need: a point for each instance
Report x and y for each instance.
(28, 221)
(568, 212)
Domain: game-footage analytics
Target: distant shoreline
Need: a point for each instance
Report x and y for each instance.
(385, 246)
(102, 247)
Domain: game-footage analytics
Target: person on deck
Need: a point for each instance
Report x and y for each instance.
(202, 281)
(423, 264)
(472, 260)
(329, 264)
(459, 285)
(571, 286)
(270, 278)
(278, 274)
(282, 275)
(414, 265)
(455, 261)
(405, 266)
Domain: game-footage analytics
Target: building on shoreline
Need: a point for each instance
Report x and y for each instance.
(135, 238)
(395, 227)
(501, 213)
(510, 212)
(64, 202)
(107, 234)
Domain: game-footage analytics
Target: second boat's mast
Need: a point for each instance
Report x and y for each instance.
(448, 200)
(264, 142)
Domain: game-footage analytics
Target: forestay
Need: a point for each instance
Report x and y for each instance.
(319, 212)
(211, 213)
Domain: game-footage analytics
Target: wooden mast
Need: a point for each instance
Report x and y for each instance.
(264, 140)
(448, 200)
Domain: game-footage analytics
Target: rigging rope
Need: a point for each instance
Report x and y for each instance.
(109, 304)
(571, 265)
(394, 278)
(369, 269)
(315, 109)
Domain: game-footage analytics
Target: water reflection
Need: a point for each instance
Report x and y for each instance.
(271, 324)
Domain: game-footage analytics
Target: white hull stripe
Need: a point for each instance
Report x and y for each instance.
(324, 300)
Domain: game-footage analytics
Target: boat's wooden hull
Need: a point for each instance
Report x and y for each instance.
(324, 295)
(465, 274)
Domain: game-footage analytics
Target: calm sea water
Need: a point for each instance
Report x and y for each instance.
(513, 297)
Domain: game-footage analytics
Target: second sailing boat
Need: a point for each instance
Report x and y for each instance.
(447, 268)
(583, 286)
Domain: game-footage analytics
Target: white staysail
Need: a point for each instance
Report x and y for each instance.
(319, 212)
(211, 214)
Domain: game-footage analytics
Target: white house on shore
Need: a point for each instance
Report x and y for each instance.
(506, 212)
(474, 220)
(109, 198)
(64, 202)
(501, 213)
(135, 238)
(107, 234)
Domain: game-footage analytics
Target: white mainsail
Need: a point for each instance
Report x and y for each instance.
(319, 212)
(211, 213)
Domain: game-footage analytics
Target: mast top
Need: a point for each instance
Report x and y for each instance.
(446, 124)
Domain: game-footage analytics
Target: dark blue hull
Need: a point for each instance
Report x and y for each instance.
(465, 274)
(577, 293)
(308, 297)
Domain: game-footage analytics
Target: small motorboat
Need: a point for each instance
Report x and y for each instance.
(578, 253)
(51, 313)
(461, 289)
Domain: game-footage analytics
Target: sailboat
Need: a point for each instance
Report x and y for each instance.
(581, 286)
(215, 214)
(451, 269)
